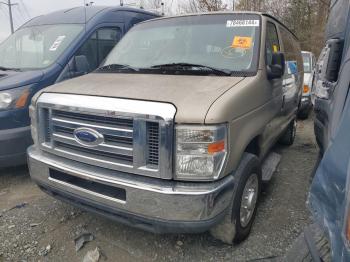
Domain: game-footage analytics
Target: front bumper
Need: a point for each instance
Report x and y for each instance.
(160, 206)
(13, 145)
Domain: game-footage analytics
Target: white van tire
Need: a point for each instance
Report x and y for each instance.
(234, 228)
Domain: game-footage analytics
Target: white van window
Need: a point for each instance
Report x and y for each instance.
(272, 42)
(307, 62)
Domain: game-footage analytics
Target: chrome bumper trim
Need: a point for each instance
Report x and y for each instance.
(146, 197)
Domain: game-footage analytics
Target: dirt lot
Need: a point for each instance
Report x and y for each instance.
(34, 226)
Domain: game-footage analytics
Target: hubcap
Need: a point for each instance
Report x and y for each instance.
(249, 199)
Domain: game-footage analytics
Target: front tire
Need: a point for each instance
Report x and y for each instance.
(239, 219)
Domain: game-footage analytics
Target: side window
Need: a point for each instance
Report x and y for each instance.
(107, 38)
(89, 50)
(91, 53)
(292, 51)
(98, 46)
(272, 42)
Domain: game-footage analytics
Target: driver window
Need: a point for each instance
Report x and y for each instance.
(91, 53)
(272, 42)
(98, 46)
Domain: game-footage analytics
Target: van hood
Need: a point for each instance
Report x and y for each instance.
(12, 79)
(191, 95)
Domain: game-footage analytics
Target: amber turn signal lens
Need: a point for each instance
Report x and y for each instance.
(22, 100)
(216, 147)
(306, 89)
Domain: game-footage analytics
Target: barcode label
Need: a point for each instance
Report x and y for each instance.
(239, 23)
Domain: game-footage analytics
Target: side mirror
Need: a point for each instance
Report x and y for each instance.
(277, 67)
(82, 65)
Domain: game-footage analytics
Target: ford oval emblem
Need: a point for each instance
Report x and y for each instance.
(88, 137)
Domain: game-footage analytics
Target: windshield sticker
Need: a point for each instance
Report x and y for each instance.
(57, 43)
(240, 23)
(242, 42)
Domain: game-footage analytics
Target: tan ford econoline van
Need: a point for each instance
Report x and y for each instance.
(171, 133)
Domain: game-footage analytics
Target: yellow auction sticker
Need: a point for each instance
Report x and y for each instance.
(243, 42)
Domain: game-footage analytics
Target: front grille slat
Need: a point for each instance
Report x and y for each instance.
(63, 138)
(95, 153)
(115, 121)
(111, 139)
(109, 130)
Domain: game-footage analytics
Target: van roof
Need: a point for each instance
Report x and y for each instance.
(306, 52)
(230, 12)
(79, 15)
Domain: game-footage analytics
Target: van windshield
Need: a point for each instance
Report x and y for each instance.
(37, 47)
(228, 42)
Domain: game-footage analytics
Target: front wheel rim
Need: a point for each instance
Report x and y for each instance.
(249, 200)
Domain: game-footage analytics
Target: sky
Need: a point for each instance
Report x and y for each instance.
(27, 9)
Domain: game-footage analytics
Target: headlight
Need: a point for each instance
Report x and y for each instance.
(200, 151)
(14, 98)
(322, 89)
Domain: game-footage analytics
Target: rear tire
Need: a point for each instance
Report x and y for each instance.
(289, 135)
(239, 219)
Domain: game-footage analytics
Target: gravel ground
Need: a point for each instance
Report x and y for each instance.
(36, 227)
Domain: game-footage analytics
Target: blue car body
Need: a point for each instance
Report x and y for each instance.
(329, 196)
(15, 123)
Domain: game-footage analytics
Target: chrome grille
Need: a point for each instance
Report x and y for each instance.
(133, 142)
(116, 135)
(153, 143)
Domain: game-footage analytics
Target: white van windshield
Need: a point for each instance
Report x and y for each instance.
(37, 47)
(225, 42)
(307, 62)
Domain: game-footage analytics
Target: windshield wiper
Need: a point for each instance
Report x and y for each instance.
(225, 72)
(113, 67)
(9, 69)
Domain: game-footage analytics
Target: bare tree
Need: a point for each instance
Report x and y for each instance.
(195, 6)
(151, 4)
(306, 18)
